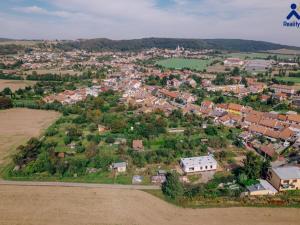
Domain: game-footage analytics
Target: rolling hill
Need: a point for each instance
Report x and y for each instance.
(171, 43)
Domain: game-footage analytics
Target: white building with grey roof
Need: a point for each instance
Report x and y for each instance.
(119, 167)
(198, 164)
(258, 65)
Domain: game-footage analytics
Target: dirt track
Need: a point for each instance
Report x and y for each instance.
(82, 206)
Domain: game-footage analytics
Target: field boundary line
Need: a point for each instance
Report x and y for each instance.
(84, 185)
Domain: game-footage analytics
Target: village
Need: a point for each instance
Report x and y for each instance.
(149, 112)
(274, 135)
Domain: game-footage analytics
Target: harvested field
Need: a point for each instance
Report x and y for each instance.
(82, 206)
(20, 42)
(54, 71)
(15, 84)
(285, 51)
(217, 68)
(19, 125)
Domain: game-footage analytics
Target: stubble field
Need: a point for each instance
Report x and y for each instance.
(19, 125)
(15, 84)
(81, 206)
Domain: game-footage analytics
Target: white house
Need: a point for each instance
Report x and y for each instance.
(233, 62)
(119, 167)
(198, 164)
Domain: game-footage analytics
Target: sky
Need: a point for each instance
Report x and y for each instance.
(128, 19)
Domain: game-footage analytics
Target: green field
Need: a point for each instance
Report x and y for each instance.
(179, 63)
(292, 79)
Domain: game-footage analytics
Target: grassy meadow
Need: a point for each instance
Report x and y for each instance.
(180, 63)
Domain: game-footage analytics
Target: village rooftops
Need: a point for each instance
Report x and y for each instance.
(294, 118)
(287, 173)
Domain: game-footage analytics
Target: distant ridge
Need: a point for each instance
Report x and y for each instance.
(5, 39)
(171, 43)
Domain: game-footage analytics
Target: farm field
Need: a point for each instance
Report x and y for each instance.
(217, 68)
(20, 42)
(15, 84)
(53, 71)
(258, 55)
(285, 51)
(19, 125)
(292, 79)
(180, 63)
(99, 206)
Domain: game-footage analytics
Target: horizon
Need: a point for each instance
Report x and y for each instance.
(79, 39)
(183, 19)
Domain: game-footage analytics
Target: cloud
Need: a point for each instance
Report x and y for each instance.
(41, 11)
(123, 19)
(31, 9)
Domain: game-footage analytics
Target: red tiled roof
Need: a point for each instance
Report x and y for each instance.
(286, 134)
(235, 107)
(257, 129)
(294, 118)
(171, 94)
(137, 144)
(253, 117)
(268, 122)
(268, 150)
(272, 133)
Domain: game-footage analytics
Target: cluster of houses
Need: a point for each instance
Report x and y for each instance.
(150, 98)
(238, 90)
(279, 179)
(69, 97)
(277, 128)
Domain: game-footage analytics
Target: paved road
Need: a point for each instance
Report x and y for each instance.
(85, 185)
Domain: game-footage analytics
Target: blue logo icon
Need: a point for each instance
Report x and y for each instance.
(293, 13)
(292, 18)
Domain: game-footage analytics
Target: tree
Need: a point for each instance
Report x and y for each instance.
(238, 143)
(38, 90)
(5, 103)
(7, 91)
(220, 79)
(244, 81)
(91, 150)
(219, 100)
(265, 168)
(252, 166)
(211, 131)
(172, 186)
(235, 71)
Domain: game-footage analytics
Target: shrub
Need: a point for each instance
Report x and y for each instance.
(5, 103)
(172, 187)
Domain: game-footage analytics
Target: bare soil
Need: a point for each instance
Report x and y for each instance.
(15, 84)
(19, 125)
(82, 206)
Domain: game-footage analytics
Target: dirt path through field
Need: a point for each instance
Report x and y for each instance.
(92, 206)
